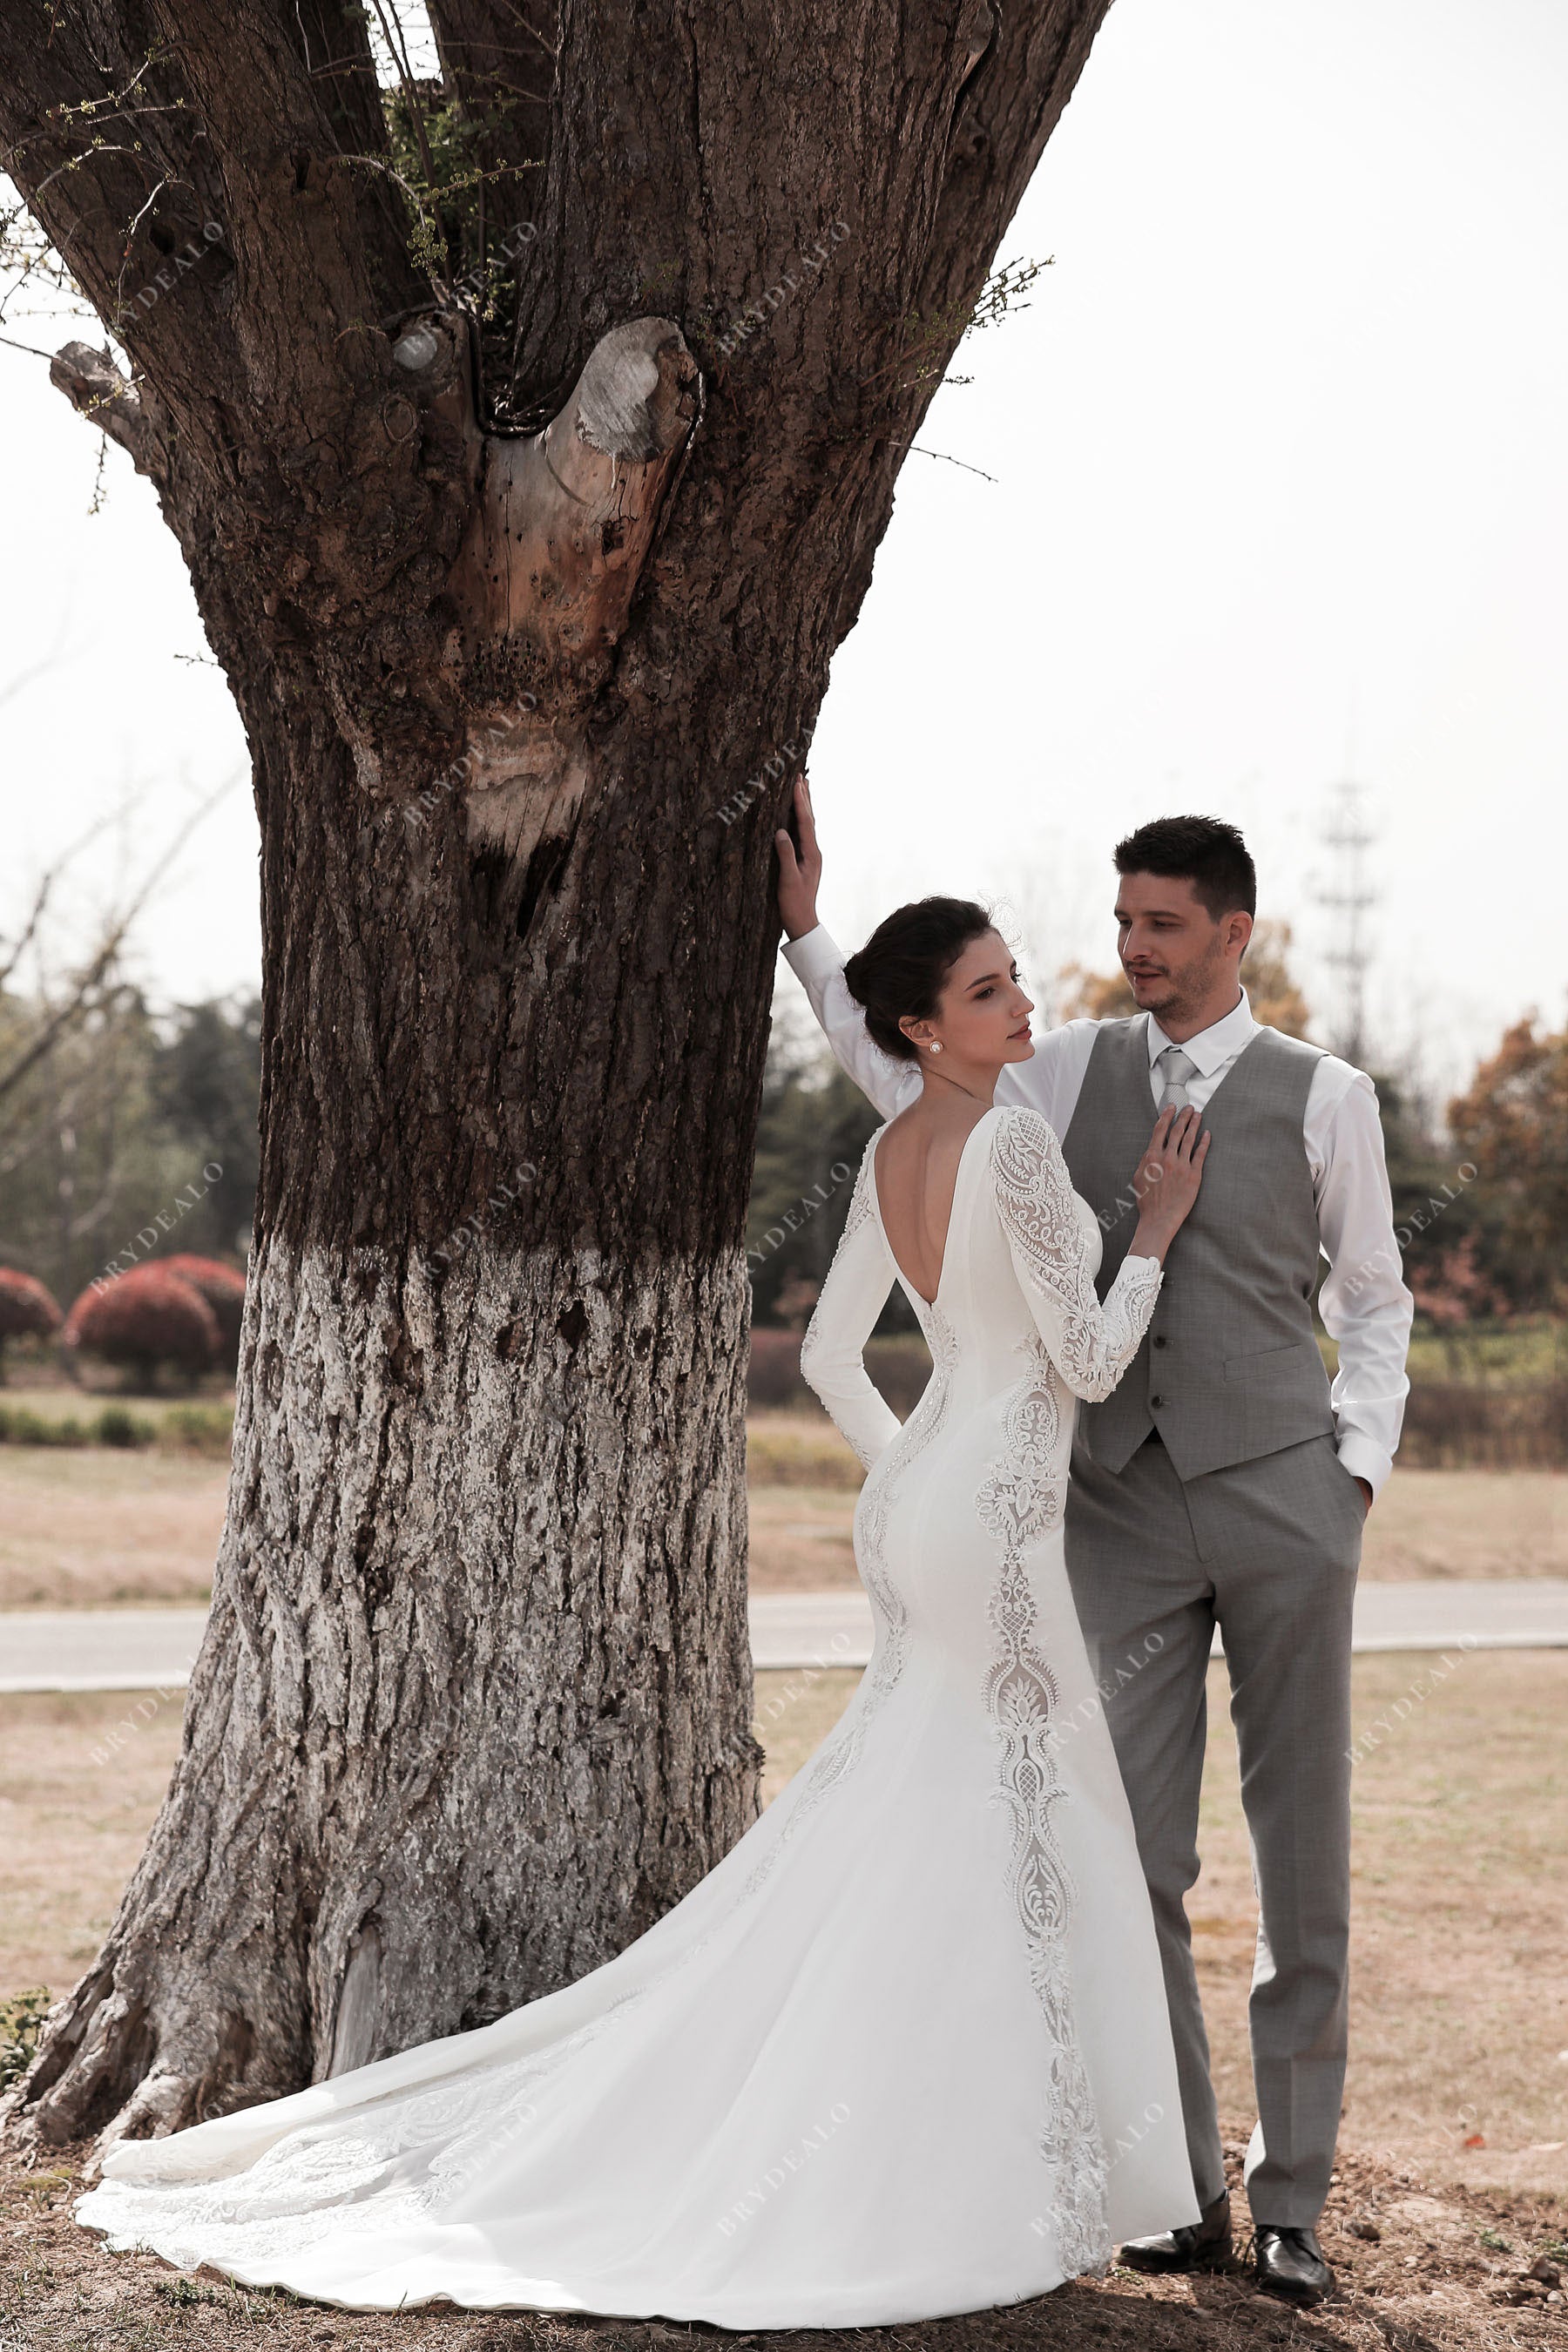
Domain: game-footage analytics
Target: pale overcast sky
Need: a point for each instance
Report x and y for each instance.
(1282, 492)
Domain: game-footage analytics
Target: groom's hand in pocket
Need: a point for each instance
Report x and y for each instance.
(1365, 1497)
(800, 868)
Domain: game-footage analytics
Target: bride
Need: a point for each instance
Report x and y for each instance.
(905, 2051)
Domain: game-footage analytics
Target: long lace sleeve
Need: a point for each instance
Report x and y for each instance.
(832, 1357)
(819, 967)
(1091, 1343)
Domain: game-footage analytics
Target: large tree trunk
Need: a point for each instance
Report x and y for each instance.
(473, 1706)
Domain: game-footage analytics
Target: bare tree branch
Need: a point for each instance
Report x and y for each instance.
(85, 990)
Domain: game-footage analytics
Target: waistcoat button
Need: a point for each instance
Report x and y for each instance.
(1156, 1399)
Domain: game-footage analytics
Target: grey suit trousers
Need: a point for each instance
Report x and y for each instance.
(1269, 1549)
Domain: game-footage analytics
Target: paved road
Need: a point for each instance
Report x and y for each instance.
(792, 1629)
(151, 1649)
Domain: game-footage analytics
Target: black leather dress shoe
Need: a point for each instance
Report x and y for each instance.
(1193, 2246)
(1290, 2263)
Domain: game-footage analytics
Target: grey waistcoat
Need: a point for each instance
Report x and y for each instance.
(1229, 1367)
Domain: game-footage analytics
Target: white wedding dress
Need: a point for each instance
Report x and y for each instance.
(905, 2051)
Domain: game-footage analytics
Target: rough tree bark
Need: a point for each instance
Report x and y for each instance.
(517, 600)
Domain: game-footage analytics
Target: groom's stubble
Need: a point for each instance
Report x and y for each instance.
(1180, 961)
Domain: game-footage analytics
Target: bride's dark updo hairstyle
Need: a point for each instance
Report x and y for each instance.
(900, 972)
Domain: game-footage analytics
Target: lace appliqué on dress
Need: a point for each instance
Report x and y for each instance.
(1020, 1502)
(1035, 1200)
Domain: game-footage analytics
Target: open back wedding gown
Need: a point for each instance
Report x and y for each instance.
(905, 2051)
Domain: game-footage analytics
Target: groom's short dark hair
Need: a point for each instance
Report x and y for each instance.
(1202, 850)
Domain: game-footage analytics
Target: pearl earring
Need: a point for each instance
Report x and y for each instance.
(936, 1044)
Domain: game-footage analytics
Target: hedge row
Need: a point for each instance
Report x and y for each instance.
(205, 1429)
(1447, 1424)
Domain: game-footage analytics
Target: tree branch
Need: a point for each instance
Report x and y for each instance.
(499, 57)
(97, 390)
(85, 990)
(99, 137)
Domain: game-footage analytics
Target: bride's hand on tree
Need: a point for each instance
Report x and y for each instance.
(1167, 1179)
(800, 871)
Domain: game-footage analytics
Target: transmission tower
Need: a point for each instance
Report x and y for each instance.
(1350, 837)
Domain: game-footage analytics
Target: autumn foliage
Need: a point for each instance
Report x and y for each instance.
(223, 1287)
(1513, 1121)
(27, 1308)
(144, 1318)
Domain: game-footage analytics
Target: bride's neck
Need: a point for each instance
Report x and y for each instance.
(978, 1079)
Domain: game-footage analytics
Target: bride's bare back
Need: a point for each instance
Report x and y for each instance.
(983, 1014)
(916, 1176)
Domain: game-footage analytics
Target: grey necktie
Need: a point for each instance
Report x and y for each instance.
(1175, 1067)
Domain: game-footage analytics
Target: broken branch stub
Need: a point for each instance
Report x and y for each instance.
(562, 527)
(96, 389)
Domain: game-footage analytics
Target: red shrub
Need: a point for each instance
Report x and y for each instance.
(28, 1310)
(223, 1287)
(144, 1318)
(26, 1307)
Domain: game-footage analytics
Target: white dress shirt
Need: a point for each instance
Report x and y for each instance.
(1364, 1302)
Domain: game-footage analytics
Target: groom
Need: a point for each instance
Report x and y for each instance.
(1222, 1482)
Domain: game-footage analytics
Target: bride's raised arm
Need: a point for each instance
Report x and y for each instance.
(1091, 1343)
(817, 962)
(818, 965)
(832, 1354)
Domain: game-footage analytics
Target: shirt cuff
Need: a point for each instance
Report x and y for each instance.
(814, 958)
(1365, 1459)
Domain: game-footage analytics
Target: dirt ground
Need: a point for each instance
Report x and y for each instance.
(1418, 2271)
(92, 1529)
(1452, 2178)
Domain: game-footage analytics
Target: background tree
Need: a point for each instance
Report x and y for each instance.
(110, 1107)
(1511, 1122)
(205, 1082)
(529, 441)
(121, 1122)
(1453, 1292)
(812, 1129)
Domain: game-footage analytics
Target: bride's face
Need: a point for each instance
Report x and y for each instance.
(983, 1014)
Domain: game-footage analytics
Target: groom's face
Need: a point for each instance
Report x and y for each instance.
(1173, 952)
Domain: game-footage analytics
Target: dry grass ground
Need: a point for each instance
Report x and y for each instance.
(1460, 2015)
(1460, 2026)
(1469, 1523)
(88, 1527)
(92, 1528)
(82, 1774)
(1428, 1523)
